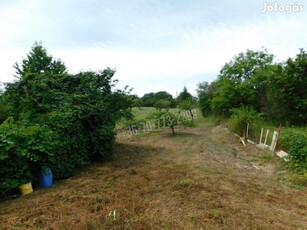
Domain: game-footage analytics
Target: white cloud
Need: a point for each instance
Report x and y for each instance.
(8, 57)
(152, 44)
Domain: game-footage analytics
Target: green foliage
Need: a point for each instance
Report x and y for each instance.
(148, 99)
(185, 121)
(294, 141)
(23, 148)
(137, 102)
(156, 99)
(38, 61)
(163, 95)
(166, 119)
(272, 89)
(4, 108)
(241, 117)
(134, 125)
(205, 95)
(58, 120)
(239, 84)
(278, 90)
(184, 95)
(188, 104)
(162, 104)
(294, 85)
(298, 181)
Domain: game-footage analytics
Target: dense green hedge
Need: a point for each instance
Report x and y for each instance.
(58, 120)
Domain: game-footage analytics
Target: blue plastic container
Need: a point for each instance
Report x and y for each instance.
(46, 178)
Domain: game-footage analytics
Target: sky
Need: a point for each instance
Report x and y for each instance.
(154, 45)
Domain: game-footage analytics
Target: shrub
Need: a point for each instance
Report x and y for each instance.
(294, 141)
(241, 117)
(24, 150)
(62, 121)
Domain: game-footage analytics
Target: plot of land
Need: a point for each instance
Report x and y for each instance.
(202, 178)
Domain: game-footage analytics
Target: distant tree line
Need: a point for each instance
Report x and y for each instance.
(163, 100)
(252, 79)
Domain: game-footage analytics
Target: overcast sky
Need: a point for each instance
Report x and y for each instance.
(153, 44)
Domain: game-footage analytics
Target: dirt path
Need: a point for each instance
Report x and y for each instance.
(201, 179)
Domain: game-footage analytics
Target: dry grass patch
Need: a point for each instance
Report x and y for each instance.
(191, 181)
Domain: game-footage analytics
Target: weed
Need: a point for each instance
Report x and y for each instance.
(185, 183)
(214, 214)
(265, 158)
(298, 180)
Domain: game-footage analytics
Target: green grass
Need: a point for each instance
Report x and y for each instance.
(297, 180)
(266, 157)
(263, 158)
(142, 113)
(201, 121)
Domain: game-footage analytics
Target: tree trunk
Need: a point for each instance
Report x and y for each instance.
(191, 114)
(173, 131)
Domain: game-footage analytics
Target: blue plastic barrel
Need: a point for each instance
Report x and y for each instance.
(46, 178)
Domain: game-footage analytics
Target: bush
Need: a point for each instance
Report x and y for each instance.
(24, 150)
(60, 120)
(294, 141)
(241, 117)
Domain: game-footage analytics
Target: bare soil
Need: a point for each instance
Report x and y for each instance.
(203, 178)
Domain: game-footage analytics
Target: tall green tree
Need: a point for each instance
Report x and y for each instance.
(152, 99)
(272, 91)
(294, 95)
(59, 119)
(205, 94)
(238, 83)
(148, 99)
(5, 109)
(38, 61)
(161, 95)
(188, 105)
(184, 95)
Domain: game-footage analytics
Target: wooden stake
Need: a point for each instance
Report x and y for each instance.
(279, 130)
(241, 139)
(261, 136)
(266, 136)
